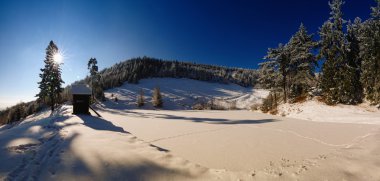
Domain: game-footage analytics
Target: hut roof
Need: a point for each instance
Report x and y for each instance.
(81, 89)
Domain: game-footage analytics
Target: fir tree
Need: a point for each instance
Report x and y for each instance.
(268, 75)
(157, 98)
(281, 59)
(370, 54)
(51, 81)
(97, 89)
(302, 62)
(353, 93)
(338, 77)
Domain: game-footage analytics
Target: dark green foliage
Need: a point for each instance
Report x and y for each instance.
(370, 54)
(50, 84)
(157, 98)
(19, 111)
(139, 68)
(340, 78)
(353, 88)
(281, 59)
(302, 63)
(290, 67)
(97, 88)
(332, 51)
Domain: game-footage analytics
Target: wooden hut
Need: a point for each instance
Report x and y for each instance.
(81, 98)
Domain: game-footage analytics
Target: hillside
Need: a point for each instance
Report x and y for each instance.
(136, 69)
(183, 94)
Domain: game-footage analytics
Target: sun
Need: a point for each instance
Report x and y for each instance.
(58, 58)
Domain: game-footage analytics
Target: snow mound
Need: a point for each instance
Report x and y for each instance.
(184, 93)
(314, 110)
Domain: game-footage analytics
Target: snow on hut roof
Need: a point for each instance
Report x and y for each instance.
(81, 89)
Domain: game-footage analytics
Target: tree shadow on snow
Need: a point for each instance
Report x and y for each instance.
(193, 119)
(217, 120)
(100, 124)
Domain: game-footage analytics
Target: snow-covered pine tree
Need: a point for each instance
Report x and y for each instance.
(157, 98)
(269, 79)
(140, 99)
(370, 54)
(269, 75)
(337, 78)
(97, 89)
(51, 81)
(302, 62)
(281, 58)
(353, 93)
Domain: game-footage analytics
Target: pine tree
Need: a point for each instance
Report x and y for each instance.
(269, 75)
(353, 93)
(51, 81)
(338, 77)
(302, 62)
(157, 98)
(140, 99)
(97, 89)
(281, 59)
(370, 54)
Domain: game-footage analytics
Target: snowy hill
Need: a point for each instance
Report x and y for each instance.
(184, 93)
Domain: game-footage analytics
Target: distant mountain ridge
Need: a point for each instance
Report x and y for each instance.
(135, 69)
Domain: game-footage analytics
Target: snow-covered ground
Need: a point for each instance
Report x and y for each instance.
(314, 110)
(185, 145)
(174, 143)
(184, 93)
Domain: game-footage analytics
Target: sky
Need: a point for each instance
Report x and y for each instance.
(234, 33)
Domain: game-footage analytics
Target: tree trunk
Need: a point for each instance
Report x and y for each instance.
(284, 85)
(275, 100)
(52, 103)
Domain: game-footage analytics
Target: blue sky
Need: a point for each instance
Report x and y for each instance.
(233, 33)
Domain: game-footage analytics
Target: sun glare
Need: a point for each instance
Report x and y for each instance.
(58, 58)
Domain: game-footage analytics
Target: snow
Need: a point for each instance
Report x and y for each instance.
(175, 143)
(314, 110)
(184, 93)
(80, 89)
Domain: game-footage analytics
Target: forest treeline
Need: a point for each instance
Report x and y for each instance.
(135, 69)
(349, 52)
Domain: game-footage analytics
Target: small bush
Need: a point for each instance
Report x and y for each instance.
(157, 98)
(271, 102)
(199, 106)
(140, 99)
(255, 107)
(212, 104)
(232, 105)
(300, 99)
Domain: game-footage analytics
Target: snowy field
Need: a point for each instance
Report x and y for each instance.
(178, 144)
(313, 110)
(184, 93)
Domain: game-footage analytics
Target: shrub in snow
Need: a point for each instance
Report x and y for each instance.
(157, 98)
(140, 99)
(255, 107)
(271, 102)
